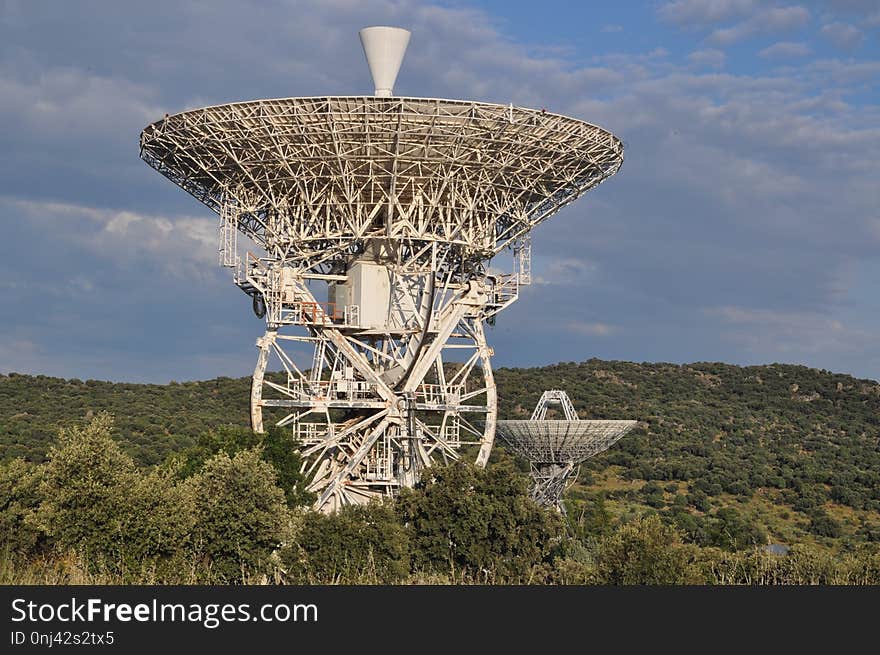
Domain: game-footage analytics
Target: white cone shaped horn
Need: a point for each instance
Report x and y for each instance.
(384, 48)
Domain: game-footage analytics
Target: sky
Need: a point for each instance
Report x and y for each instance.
(743, 227)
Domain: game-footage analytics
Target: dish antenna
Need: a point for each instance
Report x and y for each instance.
(555, 449)
(376, 218)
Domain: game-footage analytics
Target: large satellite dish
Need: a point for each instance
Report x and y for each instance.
(396, 204)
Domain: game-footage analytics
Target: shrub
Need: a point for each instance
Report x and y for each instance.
(465, 520)
(359, 543)
(240, 515)
(645, 551)
(20, 497)
(86, 487)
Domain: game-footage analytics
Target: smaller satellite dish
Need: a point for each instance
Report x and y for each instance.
(556, 448)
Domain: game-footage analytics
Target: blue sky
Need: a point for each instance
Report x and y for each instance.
(743, 227)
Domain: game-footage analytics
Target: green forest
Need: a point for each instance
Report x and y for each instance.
(734, 475)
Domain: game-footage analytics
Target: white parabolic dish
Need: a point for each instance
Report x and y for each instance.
(562, 441)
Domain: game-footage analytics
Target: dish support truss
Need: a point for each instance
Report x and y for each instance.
(554, 397)
(549, 482)
(375, 399)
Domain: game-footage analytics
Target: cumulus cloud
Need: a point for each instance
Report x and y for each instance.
(709, 57)
(842, 35)
(705, 12)
(766, 21)
(182, 246)
(590, 329)
(785, 50)
(739, 190)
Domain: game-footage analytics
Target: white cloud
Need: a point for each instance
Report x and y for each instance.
(703, 12)
(70, 104)
(182, 246)
(562, 270)
(590, 329)
(612, 29)
(785, 50)
(709, 57)
(842, 35)
(766, 21)
(770, 332)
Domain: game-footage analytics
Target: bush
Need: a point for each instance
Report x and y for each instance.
(87, 484)
(240, 515)
(645, 552)
(20, 497)
(806, 565)
(359, 543)
(467, 521)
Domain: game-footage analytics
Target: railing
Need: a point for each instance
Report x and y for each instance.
(505, 290)
(431, 393)
(451, 433)
(379, 461)
(331, 389)
(228, 250)
(322, 313)
(284, 305)
(310, 433)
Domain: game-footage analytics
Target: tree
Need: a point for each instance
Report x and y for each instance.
(824, 525)
(158, 521)
(359, 543)
(465, 520)
(277, 447)
(117, 517)
(20, 497)
(729, 529)
(644, 551)
(86, 487)
(240, 515)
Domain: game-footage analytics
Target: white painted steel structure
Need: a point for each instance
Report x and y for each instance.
(397, 204)
(556, 448)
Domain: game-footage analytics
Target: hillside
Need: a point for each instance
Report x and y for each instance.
(730, 455)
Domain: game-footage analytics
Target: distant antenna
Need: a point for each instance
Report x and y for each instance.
(556, 448)
(384, 48)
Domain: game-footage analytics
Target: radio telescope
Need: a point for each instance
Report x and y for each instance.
(555, 449)
(376, 218)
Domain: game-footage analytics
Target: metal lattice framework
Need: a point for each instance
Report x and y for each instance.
(397, 204)
(556, 448)
(312, 177)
